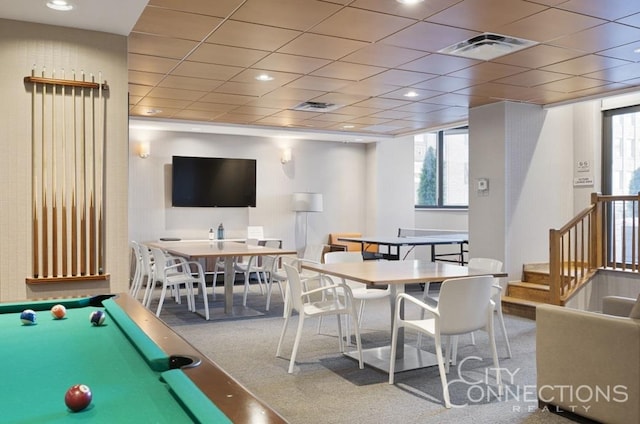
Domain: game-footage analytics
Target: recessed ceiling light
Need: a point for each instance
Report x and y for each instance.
(637, 50)
(264, 77)
(60, 5)
(410, 94)
(348, 126)
(153, 111)
(409, 1)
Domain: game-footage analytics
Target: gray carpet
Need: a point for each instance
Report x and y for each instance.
(327, 387)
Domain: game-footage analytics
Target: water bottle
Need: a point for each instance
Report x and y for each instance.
(212, 236)
(220, 232)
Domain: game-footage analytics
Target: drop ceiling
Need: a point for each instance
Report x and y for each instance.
(197, 60)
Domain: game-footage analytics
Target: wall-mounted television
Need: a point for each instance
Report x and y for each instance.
(213, 182)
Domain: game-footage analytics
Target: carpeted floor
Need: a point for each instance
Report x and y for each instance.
(327, 387)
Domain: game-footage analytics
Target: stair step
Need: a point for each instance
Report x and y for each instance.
(519, 307)
(529, 291)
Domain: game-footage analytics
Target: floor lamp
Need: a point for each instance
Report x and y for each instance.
(305, 203)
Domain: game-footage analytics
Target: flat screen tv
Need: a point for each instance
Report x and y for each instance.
(213, 182)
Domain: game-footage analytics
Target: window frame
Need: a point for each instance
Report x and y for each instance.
(440, 141)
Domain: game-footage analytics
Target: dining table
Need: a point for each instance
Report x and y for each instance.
(228, 250)
(396, 275)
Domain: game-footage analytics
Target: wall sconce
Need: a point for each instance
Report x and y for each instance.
(144, 150)
(285, 156)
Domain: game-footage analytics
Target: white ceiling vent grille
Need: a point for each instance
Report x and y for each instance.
(316, 107)
(487, 46)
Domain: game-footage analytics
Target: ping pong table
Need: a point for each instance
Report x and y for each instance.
(417, 237)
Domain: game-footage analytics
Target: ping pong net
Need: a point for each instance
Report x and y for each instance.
(422, 232)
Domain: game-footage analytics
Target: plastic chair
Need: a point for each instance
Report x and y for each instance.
(174, 273)
(138, 277)
(312, 254)
(248, 265)
(494, 265)
(328, 305)
(464, 306)
(360, 291)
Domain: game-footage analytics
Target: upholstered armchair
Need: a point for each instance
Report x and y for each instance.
(589, 363)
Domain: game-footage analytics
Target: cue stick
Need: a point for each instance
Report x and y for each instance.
(74, 208)
(92, 186)
(45, 212)
(83, 214)
(54, 181)
(64, 180)
(34, 179)
(100, 197)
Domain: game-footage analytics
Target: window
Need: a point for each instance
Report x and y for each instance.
(441, 169)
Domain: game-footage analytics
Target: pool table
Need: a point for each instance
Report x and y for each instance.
(138, 369)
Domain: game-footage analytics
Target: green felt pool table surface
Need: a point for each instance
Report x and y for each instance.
(129, 373)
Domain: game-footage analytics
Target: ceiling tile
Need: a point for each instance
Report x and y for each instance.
(189, 83)
(485, 15)
(487, 71)
(290, 63)
(440, 64)
(153, 45)
(206, 70)
(585, 64)
(383, 55)
(318, 83)
(398, 77)
(321, 46)
(439, 36)
(176, 24)
(416, 11)
(610, 9)
(251, 36)
(629, 52)
(572, 84)
(220, 8)
(548, 25)
(349, 71)
(599, 38)
(144, 78)
(617, 74)
(532, 78)
(444, 83)
(363, 25)
(301, 15)
(176, 94)
(226, 55)
(153, 64)
(539, 56)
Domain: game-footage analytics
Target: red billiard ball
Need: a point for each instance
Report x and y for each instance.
(78, 397)
(58, 311)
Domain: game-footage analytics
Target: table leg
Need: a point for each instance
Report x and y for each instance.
(229, 277)
(396, 289)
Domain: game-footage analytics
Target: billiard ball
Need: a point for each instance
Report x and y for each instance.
(78, 397)
(58, 311)
(28, 317)
(97, 318)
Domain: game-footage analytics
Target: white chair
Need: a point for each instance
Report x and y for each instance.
(136, 281)
(360, 291)
(494, 265)
(330, 304)
(248, 265)
(464, 306)
(312, 255)
(175, 273)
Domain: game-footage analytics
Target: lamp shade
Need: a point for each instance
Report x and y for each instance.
(307, 202)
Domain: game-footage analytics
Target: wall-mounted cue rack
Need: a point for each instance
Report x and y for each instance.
(68, 142)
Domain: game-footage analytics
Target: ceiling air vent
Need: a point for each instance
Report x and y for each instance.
(487, 46)
(316, 107)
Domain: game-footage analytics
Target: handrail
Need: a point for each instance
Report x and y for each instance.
(604, 235)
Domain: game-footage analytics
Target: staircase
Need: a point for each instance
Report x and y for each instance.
(522, 297)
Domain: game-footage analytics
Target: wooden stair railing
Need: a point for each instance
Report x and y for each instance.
(604, 235)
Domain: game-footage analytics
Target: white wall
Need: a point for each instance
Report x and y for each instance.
(526, 152)
(337, 170)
